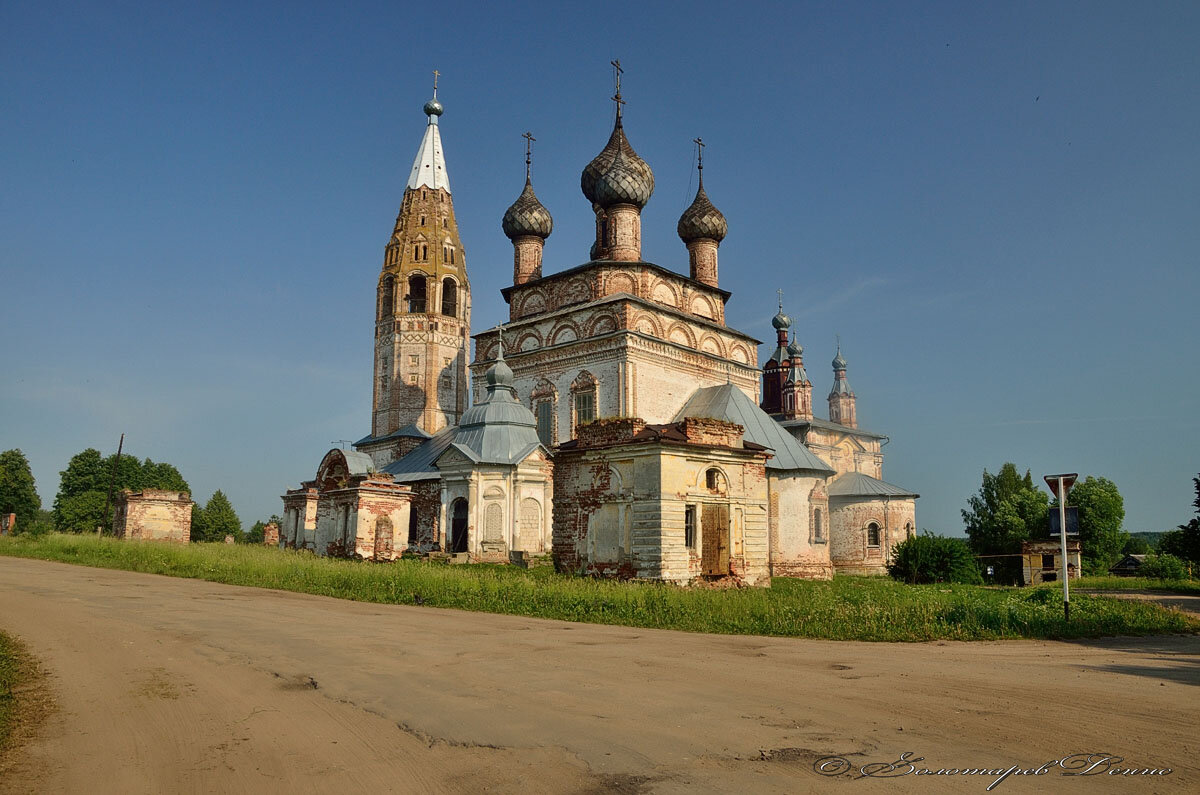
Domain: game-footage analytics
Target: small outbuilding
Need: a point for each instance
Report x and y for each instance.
(1043, 561)
(1129, 566)
(153, 515)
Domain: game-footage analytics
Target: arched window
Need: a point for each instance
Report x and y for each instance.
(449, 298)
(872, 535)
(422, 220)
(416, 294)
(545, 421)
(424, 253)
(452, 256)
(714, 481)
(908, 530)
(416, 251)
(818, 530)
(583, 400)
(413, 524)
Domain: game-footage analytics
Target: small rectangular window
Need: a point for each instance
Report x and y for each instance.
(689, 526)
(413, 359)
(545, 422)
(412, 379)
(585, 407)
(1047, 561)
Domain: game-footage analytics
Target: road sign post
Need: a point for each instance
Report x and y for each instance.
(1060, 484)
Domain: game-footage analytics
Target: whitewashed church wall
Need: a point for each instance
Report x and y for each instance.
(793, 554)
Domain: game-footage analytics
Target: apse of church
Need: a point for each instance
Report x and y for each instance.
(423, 311)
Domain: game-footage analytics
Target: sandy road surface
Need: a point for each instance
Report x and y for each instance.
(171, 685)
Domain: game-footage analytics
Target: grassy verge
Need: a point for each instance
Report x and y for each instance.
(848, 608)
(1137, 584)
(24, 701)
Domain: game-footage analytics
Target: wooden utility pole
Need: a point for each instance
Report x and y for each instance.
(112, 482)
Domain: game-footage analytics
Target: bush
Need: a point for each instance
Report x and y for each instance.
(929, 558)
(1163, 567)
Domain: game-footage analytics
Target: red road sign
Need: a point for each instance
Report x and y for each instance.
(1067, 481)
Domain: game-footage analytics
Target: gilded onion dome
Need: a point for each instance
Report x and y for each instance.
(634, 170)
(527, 216)
(702, 219)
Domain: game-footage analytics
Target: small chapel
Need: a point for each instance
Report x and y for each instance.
(616, 425)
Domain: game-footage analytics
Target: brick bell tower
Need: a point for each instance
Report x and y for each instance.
(422, 311)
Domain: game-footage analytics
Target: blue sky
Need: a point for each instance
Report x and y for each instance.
(994, 204)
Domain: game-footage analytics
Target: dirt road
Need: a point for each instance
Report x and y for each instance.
(171, 685)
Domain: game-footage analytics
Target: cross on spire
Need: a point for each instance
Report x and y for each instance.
(500, 345)
(529, 139)
(435, 77)
(699, 142)
(617, 71)
(780, 291)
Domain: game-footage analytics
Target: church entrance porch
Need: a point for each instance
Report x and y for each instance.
(714, 534)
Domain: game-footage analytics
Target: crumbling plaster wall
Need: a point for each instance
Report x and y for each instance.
(153, 515)
(851, 517)
(796, 551)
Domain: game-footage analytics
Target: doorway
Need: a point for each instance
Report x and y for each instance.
(458, 525)
(714, 529)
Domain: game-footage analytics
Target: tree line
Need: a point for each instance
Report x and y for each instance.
(79, 506)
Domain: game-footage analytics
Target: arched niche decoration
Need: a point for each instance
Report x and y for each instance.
(663, 293)
(648, 324)
(620, 283)
(739, 353)
(532, 303)
(529, 341)
(602, 324)
(710, 344)
(564, 332)
(702, 305)
(681, 334)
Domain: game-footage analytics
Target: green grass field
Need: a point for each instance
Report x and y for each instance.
(1137, 584)
(848, 608)
(12, 672)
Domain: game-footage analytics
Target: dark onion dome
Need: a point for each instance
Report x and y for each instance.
(781, 321)
(527, 216)
(433, 107)
(795, 349)
(839, 361)
(617, 142)
(702, 220)
(624, 182)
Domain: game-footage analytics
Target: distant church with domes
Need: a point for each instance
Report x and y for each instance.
(617, 425)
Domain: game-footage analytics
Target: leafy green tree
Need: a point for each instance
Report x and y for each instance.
(1185, 541)
(255, 534)
(84, 488)
(1135, 545)
(220, 518)
(199, 528)
(930, 558)
(1007, 510)
(1164, 567)
(1101, 512)
(18, 494)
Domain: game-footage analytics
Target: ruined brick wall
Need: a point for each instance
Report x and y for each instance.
(710, 431)
(8, 524)
(299, 517)
(1034, 573)
(850, 549)
(153, 515)
(427, 508)
(271, 534)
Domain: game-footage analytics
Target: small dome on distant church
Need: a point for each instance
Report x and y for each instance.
(702, 220)
(839, 361)
(527, 216)
(781, 321)
(637, 168)
(795, 348)
(433, 107)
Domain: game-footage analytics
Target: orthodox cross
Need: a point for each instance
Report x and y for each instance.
(699, 142)
(617, 71)
(529, 139)
(435, 77)
(500, 337)
(780, 291)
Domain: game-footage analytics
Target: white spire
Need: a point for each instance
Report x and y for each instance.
(429, 167)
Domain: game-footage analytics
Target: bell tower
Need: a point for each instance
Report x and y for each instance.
(422, 311)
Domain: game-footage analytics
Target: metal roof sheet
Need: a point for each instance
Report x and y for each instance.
(429, 167)
(418, 464)
(727, 402)
(856, 484)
